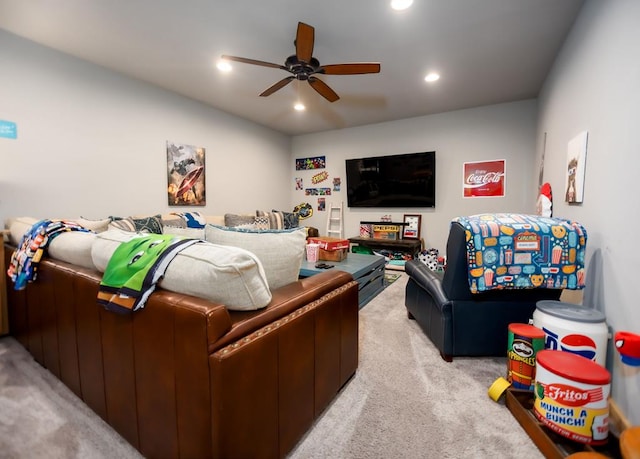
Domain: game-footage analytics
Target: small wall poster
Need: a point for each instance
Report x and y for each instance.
(576, 162)
(185, 175)
(484, 178)
(8, 129)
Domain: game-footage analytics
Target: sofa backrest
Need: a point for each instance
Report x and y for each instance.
(455, 281)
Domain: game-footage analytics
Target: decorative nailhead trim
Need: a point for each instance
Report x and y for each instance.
(278, 323)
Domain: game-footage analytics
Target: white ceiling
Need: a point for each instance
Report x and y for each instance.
(487, 51)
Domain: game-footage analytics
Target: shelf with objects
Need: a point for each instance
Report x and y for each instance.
(385, 238)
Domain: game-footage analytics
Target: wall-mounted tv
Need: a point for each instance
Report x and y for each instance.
(405, 180)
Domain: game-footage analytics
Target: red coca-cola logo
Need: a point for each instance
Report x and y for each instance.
(483, 178)
(572, 396)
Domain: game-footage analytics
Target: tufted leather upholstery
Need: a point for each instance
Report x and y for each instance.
(186, 378)
(458, 322)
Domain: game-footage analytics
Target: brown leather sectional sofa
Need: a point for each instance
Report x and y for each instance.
(185, 377)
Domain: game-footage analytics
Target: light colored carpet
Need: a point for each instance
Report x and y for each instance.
(406, 402)
(403, 402)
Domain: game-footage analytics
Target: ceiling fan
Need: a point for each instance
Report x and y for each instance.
(303, 66)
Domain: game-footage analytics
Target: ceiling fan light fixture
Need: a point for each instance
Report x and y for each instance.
(224, 65)
(431, 77)
(400, 5)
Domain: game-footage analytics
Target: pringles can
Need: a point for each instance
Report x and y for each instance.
(524, 342)
(571, 396)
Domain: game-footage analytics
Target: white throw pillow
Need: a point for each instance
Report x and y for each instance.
(227, 275)
(280, 252)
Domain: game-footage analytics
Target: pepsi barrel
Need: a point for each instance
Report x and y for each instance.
(571, 396)
(524, 342)
(573, 328)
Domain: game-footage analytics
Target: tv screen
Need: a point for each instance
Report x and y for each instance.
(406, 180)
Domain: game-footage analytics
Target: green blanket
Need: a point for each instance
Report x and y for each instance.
(135, 268)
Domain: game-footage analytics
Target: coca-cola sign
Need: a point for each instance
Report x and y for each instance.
(484, 178)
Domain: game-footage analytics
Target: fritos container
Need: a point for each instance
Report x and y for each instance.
(524, 342)
(571, 396)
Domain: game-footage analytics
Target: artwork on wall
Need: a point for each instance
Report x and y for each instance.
(322, 204)
(411, 228)
(185, 175)
(316, 162)
(484, 178)
(304, 210)
(336, 183)
(299, 185)
(576, 163)
(317, 191)
(321, 177)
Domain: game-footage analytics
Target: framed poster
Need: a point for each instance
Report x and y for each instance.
(411, 228)
(576, 162)
(185, 175)
(484, 178)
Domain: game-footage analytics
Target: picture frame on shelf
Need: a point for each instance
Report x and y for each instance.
(411, 228)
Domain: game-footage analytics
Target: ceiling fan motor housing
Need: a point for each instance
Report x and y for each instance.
(302, 70)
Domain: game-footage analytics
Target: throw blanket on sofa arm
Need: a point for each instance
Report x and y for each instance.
(518, 251)
(135, 268)
(24, 260)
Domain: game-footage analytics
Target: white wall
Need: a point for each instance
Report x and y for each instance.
(92, 142)
(505, 131)
(594, 86)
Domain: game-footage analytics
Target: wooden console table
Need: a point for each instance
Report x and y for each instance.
(407, 246)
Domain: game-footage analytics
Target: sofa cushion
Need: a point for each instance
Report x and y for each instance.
(193, 233)
(227, 275)
(96, 226)
(73, 247)
(240, 221)
(18, 226)
(280, 252)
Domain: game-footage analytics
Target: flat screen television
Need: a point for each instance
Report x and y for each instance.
(405, 180)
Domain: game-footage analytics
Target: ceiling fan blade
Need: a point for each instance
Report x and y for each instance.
(323, 89)
(304, 42)
(244, 60)
(350, 69)
(279, 85)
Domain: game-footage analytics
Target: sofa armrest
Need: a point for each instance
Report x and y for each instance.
(427, 280)
(285, 300)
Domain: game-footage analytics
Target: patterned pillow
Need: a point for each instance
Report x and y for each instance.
(148, 224)
(275, 221)
(235, 220)
(193, 219)
(290, 220)
(139, 224)
(262, 223)
(124, 224)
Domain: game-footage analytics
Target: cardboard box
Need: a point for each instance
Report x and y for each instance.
(331, 248)
(333, 255)
(330, 243)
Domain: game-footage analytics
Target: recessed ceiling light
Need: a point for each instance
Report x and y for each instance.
(400, 5)
(224, 66)
(299, 106)
(431, 77)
